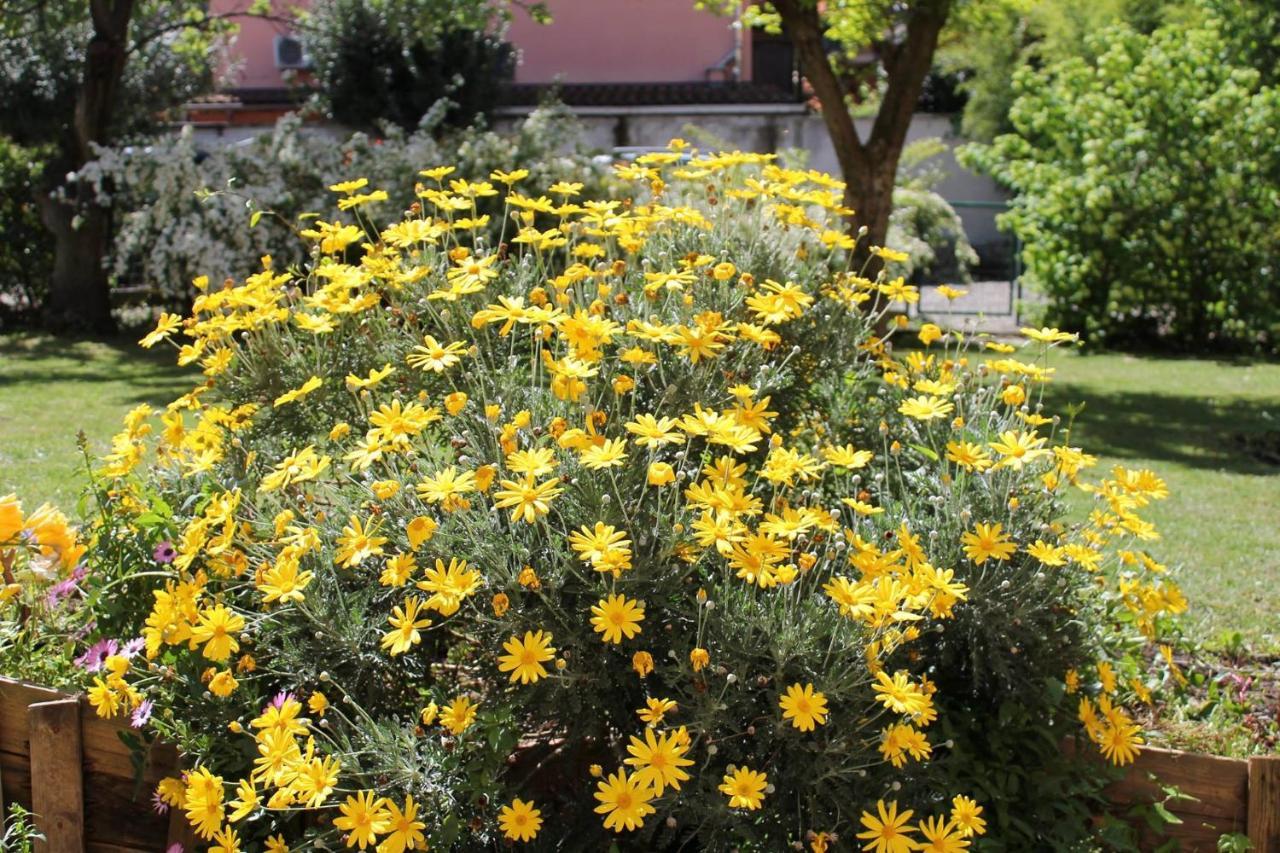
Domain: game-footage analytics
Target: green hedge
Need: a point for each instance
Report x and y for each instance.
(1148, 187)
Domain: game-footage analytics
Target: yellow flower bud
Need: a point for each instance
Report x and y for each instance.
(660, 474)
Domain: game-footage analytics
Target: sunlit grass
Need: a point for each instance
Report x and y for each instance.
(1189, 420)
(51, 388)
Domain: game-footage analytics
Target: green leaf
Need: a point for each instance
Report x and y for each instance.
(928, 452)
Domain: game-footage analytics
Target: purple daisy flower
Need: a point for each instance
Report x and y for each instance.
(66, 587)
(131, 648)
(93, 658)
(165, 552)
(141, 714)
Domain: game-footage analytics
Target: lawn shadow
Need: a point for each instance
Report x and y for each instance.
(1194, 431)
(146, 369)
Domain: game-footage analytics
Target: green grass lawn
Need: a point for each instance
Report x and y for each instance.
(51, 388)
(1183, 418)
(1188, 419)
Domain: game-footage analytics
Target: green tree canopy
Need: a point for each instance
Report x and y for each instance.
(846, 48)
(43, 47)
(76, 75)
(988, 42)
(1148, 181)
(377, 60)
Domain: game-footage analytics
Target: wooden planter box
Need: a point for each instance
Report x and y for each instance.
(78, 777)
(1232, 795)
(72, 770)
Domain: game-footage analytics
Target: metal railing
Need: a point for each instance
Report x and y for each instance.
(1014, 254)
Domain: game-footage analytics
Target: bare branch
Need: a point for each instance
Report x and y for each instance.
(205, 23)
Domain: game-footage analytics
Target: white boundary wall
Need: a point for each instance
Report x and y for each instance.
(763, 127)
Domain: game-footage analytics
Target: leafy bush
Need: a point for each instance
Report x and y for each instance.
(376, 62)
(181, 210)
(19, 830)
(26, 259)
(621, 521)
(1148, 189)
(925, 226)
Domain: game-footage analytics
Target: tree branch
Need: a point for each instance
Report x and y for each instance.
(906, 66)
(802, 22)
(202, 24)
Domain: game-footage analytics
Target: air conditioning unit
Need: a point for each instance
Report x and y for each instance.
(290, 53)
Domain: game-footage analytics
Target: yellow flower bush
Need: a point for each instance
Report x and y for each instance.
(42, 613)
(624, 525)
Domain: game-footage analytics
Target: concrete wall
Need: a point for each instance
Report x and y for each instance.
(779, 127)
(771, 127)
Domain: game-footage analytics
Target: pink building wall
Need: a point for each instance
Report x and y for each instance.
(622, 41)
(588, 41)
(252, 63)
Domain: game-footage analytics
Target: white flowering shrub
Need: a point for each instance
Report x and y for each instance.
(181, 208)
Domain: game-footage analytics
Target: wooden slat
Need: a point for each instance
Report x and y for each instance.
(118, 813)
(15, 697)
(105, 753)
(1220, 785)
(103, 749)
(1264, 803)
(17, 778)
(1192, 836)
(4, 806)
(180, 831)
(57, 777)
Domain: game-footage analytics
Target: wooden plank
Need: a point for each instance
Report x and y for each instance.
(17, 778)
(15, 697)
(118, 813)
(1195, 832)
(4, 807)
(1264, 803)
(5, 798)
(57, 778)
(1220, 785)
(25, 689)
(180, 831)
(105, 753)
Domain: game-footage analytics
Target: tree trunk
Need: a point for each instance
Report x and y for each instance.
(803, 25)
(78, 293)
(870, 193)
(869, 168)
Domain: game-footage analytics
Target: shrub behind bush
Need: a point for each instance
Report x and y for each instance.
(181, 209)
(26, 258)
(376, 62)
(1148, 189)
